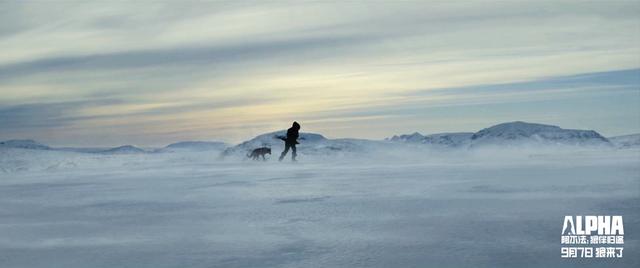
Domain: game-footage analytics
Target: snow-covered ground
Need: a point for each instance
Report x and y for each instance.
(194, 209)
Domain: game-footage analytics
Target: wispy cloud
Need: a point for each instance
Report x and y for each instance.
(199, 56)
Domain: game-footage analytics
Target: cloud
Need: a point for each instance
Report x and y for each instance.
(42, 115)
(176, 56)
(61, 114)
(179, 70)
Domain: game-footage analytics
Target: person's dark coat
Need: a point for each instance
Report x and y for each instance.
(290, 141)
(292, 134)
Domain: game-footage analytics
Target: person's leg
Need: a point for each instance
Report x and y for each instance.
(286, 149)
(293, 152)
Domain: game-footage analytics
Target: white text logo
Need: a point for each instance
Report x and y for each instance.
(592, 237)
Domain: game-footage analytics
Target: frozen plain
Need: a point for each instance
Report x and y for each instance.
(492, 209)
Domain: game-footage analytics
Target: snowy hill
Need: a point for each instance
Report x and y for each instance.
(626, 141)
(459, 139)
(412, 138)
(456, 139)
(512, 134)
(270, 139)
(24, 144)
(318, 146)
(195, 146)
(125, 149)
(315, 145)
(524, 134)
(307, 140)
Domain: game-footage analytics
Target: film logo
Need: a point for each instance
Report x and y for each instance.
(592, 237)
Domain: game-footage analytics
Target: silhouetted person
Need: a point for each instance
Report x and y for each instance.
(290, 141)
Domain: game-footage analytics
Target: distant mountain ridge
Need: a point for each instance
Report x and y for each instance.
(454, 139)
(510, 134)
(626, 141)
(24, 144)
(515, 133)
(194, 146)
(125, 149)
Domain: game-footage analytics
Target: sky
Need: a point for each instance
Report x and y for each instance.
(149, 73)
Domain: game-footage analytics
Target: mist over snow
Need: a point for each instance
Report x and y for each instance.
(439, 200)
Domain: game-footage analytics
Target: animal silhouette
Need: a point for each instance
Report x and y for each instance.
(256, 153)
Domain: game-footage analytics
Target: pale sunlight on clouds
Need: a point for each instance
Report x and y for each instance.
(151, 73)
